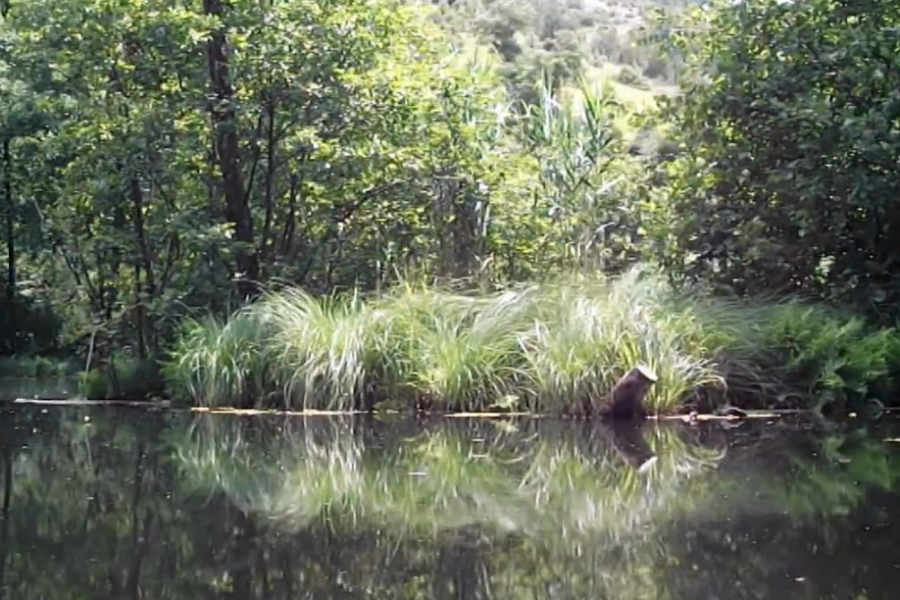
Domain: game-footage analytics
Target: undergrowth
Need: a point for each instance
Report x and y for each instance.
(534, 348)
(123, 377)
(35, 367)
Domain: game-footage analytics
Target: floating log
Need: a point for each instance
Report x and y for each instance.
(87, 402)
(626, 400)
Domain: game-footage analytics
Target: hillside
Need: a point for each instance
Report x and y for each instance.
(598, 40)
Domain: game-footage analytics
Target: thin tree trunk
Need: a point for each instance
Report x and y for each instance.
(145, 337)
(222, 111)
(271, 140)
(11, 281)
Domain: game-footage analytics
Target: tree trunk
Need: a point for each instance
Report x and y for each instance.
(11, 282)
(143, 327)
(222, 111)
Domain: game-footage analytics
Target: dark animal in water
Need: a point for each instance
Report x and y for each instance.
(625, 402)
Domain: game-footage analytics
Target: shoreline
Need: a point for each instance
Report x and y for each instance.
(662, 417)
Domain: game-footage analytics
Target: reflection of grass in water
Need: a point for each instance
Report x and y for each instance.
(448, 478)
(529, 482)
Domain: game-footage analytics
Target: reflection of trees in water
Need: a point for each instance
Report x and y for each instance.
(792, 519)
(844, 556)
(138, 505)
(6, 450)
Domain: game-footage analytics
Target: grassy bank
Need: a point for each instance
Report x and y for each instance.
(535, 348)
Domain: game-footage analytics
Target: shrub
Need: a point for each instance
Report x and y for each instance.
(34, 367)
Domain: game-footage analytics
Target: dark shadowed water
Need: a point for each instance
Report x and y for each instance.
(116, 503)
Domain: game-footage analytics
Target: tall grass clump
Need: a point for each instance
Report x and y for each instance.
(452, 348)
(321, 350)
(222, 363)
(539, 347)
(586, 333)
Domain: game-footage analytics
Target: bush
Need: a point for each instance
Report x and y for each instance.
(788, 190)
(123, 378)
(28, 325)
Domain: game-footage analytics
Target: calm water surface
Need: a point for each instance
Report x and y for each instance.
(116, 503)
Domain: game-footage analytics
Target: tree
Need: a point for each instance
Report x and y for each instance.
(789, 137)
(186, 155)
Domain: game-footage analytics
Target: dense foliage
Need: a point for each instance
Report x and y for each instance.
(160, 160)
(791, 139)
(159, 153)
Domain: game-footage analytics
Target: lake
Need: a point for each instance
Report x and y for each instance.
(114, 503)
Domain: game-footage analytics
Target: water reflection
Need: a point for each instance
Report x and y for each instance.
(123, 503)
(532, 478)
